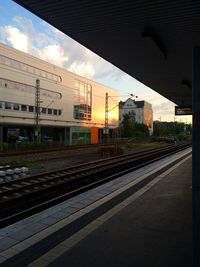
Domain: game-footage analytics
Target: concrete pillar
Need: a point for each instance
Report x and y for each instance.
(70, 135)
(196, 157)
(65, 136)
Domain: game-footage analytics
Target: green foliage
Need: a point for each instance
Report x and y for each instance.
(127, 126)
(140, 145)
(183, 136)
(133, 129)
(172, 129)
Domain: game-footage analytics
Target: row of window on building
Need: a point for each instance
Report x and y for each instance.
(29, 108)
(27, 68)
(4, 83)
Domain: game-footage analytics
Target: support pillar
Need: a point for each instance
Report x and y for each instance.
(65, 136)
(70, 135)
(196, 157)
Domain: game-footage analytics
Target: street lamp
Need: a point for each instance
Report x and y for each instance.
(106, 128)
(133, 95)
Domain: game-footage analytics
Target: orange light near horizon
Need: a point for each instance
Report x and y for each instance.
(99, 116)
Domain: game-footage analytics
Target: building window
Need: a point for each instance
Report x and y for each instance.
(44, 111)
(31, 108)
(8, 105)
(55, 112)
(15, 106)
(82, 100)
(50, 111)
(23, 107)
(27, 108)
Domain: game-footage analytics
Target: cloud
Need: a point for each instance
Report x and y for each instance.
(84, 69)
(162, 107)
(15, 38)
(80, 57)
(25, 25)
(54, 54)
(53, 46)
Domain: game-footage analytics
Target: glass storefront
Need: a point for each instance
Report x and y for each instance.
(80, 135)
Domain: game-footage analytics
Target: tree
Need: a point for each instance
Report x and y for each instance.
(131, 128)
(140, 130)
(127, 127)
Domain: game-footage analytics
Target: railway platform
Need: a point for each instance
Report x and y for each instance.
(141, 219)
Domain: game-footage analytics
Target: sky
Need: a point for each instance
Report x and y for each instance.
(24, 31)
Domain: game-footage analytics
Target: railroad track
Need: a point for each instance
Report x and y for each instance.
(26, 195)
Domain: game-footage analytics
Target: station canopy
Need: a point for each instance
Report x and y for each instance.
(152, 41)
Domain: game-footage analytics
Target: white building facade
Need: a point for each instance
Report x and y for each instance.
(71, 106)
(139, 111)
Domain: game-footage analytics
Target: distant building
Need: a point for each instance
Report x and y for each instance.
(140, 111)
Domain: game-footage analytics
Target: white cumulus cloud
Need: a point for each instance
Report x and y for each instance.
(16, 38)
(85, 69)
(54, 54)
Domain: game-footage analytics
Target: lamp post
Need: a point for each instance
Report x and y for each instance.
(37, 111)
(37, 114)
(106, 127)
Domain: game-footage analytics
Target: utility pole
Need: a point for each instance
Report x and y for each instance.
(106, 111)
(160, 126)
(106, 130)
(37, 112)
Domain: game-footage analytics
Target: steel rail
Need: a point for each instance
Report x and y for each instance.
(70, 173)
(23, 186)
(38, 202)
(72, 168)
(21, 212)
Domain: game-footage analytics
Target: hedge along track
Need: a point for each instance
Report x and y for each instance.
(25, 196)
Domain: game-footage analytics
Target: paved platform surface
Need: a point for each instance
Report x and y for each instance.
(140, 219)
